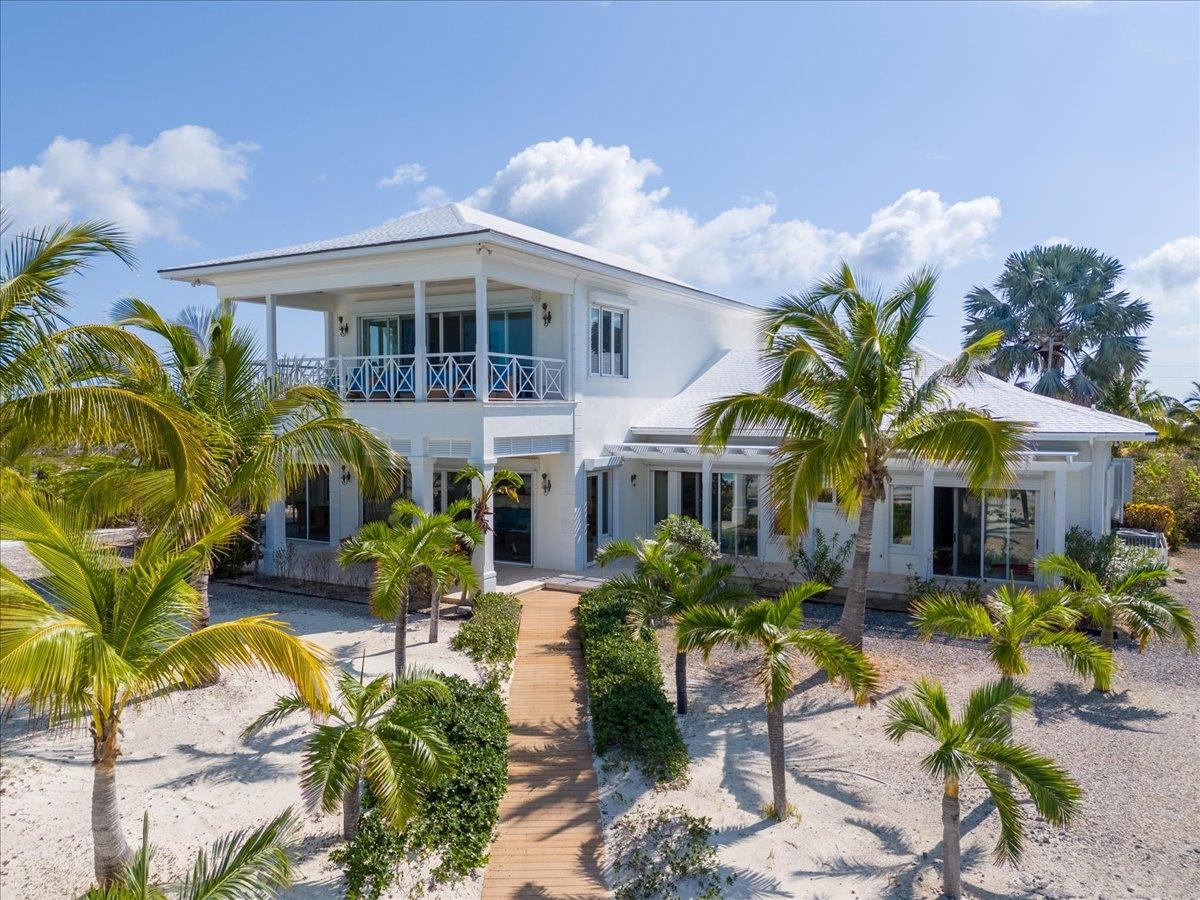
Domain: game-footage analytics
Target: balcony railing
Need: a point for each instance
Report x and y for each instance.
(449, 376)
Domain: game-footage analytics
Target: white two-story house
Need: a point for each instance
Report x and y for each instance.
(462, 337)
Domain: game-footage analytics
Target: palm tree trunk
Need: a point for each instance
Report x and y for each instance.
(1106, 641)
(681, 682)
(352, 810)
(200, 582)
(951, 851)
(854, 612)
(435, 612)
(110, 851)
(401, 622)
(778, 778)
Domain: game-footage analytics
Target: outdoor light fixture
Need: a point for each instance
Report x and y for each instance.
(633, 480)
(343, 327)
(546, 317)
(346, 476)
(545, 483)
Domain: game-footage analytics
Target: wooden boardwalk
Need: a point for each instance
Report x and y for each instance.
(549, 834)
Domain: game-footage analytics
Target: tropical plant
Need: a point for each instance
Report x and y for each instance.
(244, 865)
(59, 384)
(685, 533)
(666, 583)
(1132, 598)
(848, 388)
(412, 544)
(979, 741)
(1133, 398)
(1067, 331)
(503, 483)
(107, 635)
(380, 734)
(774, 628)
(1170, 476)
(826, 561)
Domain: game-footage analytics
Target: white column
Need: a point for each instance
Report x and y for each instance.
(330, 335)
(1101, 456)
(706, 498)
(1058, 536)
(926, 513)
(272, 345)
(481, 338)
(420, 369)
(274, 529)
(484, 560)
(421, 471)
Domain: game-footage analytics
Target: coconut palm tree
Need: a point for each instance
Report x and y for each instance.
(847, 390)
(244, 865)
(107, 635)
(1012, 620)
(979, 741)
(1132, 599)
(667, 583)
(410, 545)
(774, 628)
(60, 384)
(379, 733)
(1067, 330)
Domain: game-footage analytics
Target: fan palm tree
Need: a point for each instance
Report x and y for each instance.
(848, 389)
(1133, 600)
(244, 865)
(1067, 331)
(775, 629)
(667, 583)
(410, 545)
(979, 741)
(380, 733)
(60, 384)
(108, 635)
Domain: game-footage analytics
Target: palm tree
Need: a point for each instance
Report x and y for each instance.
(775, 629)
(380, 733)
(979, 741)
(666, 583)
(108, 635)
(848, 389)
(244, 865)
(1133, 599)
(264, 437)
(412, 544)
(503, 483)
(1012, 620)
(59, 384)
(1067, 330)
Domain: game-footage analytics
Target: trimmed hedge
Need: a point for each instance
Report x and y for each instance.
(630, 712)
(1151, 517)
(489, 637)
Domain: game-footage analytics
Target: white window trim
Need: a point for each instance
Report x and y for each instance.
(621, 311)
(912, 508)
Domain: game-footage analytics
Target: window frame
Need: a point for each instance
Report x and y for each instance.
(596, 353)
(912, 496)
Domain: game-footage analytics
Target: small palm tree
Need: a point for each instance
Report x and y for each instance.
(849, 388)
(979, 741)
(410, 545)
(503, 483)
(1013, 619)
(380, 733)
(107, 635)
(245, 865)
(665, 585)
(775, 629)
(1133, 600)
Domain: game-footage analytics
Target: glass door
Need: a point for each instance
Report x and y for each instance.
(512, 525)
(306, 508)
(599, 510)
(735, 513)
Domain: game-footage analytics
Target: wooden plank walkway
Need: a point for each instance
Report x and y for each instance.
(549, 840)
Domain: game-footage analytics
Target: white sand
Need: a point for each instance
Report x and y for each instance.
(185, 763)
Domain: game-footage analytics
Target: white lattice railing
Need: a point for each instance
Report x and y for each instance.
(525, 377)
(351, 377)
(451, 376)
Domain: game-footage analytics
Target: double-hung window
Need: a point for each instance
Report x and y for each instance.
(608, 341)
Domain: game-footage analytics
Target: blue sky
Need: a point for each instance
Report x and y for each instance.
(743, 147)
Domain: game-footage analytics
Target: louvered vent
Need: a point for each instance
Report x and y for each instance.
(531, 446)
(448, 447)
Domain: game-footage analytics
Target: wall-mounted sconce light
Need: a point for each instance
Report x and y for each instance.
(546, 317)
(545, 483)
(346, 476)
(343, 326)
(633, 480)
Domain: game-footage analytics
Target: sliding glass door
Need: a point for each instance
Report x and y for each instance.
(735, 524)
(306, 508)
(992, 535)
(512, 525)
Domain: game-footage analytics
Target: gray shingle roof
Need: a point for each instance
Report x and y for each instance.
(741, 370)
(449, 220)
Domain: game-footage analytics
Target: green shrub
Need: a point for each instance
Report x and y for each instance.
(1093, 553)
(630, 712)
(489, 637)
(653, 853)
(1170, 477)
(1152, 517)
(826, 562)
(455, 819)
(687, 533)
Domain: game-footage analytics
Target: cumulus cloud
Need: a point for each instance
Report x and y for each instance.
(1169, 278)
(602, 195)
(405, 173)
(143, 188)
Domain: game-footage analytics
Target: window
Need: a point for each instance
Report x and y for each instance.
(902, 506)
(661, 495)
(375, 510)
(599, 510)
(607, 340)
(387, 336)
(826, 495)
(456, 490)
(306, 508)
(735, 513)
(691, 495)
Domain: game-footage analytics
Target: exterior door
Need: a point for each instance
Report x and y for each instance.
(512, 525)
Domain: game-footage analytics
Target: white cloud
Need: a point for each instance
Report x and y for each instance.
(432, 195)
(143, 188)
(405, 173)
(599, 195)
(1169, 278)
